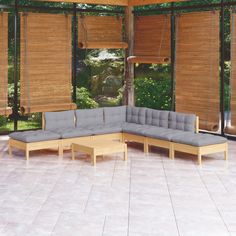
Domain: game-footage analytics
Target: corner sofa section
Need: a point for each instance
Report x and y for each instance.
(125, 123)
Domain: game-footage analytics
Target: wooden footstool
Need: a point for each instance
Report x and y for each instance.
(199, 144)
(95, 148)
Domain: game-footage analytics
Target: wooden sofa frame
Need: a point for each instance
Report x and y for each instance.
(63, 144)
(27, 147)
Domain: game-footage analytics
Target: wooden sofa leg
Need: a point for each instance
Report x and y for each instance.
(226, 152)
(60, 150)
(27, 154)
(172, 152)
(146, 147)
(199, 158)
(9, 150)
(125, 153)
(226, 155)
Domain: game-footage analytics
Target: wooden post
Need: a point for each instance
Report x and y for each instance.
(129, 67)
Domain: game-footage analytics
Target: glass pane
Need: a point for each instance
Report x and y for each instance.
(100, 76)
(153, 86)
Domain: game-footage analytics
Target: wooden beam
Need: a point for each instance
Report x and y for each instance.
(115, 2)
(149, 2)
(100, 2)
(129, 67)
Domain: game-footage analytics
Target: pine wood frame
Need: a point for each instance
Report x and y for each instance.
(27, 147)
(67, 143)
(63, 144)
(199, 151)
(60, 144)
(88, 148)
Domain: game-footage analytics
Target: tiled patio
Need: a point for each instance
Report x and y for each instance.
(147, 196)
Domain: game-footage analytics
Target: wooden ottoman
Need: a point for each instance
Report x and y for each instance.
(95, 148)
(199, 144)
(34, 140)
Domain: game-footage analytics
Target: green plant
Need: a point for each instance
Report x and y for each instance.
(153, 93)
(3, 121)
(84, 99)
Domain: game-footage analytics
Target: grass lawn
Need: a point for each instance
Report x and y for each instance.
(22, 125)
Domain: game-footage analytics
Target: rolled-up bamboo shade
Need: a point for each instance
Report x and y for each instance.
(151, 39)
(148, 60)
(100, 32)
(45, 62)
(4, 109)
(197, 67)
(231, 128)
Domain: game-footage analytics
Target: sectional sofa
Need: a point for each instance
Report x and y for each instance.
(166, 129)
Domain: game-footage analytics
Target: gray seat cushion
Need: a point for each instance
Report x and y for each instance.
(34, 136)
(132, 128)
(162, 133)
(199, 140)
(106, 129)
(58, 120)
(88, 131)
(181, 121)
(157, 118)
(89, 117)
(136, 115)
(115, 115)
(74, 132)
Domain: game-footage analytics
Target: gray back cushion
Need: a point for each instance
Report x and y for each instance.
(62, 119)
(181, 121)
(89, 117)
(157, 118)
(136, 115)
(115, 115)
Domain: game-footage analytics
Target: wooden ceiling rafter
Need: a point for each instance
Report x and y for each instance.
(116, 2)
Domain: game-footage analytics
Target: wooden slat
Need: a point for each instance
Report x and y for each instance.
(4, 109)
(108, 45)
(102, 2)
(129, 97)
(49, 107)
(148, 60)
(116, 2)
(197, 67)
(148, 2)
(100, 32)
(152, 38)
(45, 62)
(231, 128)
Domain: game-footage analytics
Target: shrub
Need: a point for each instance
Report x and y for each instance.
(153, 93)
(84, 99)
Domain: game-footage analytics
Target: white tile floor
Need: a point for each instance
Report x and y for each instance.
(147, 196)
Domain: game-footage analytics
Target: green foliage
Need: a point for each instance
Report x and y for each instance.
(153, 93)
(106, 75)
(84, 99)
(153, 86)
(102, 75)
(11, 94)
(3, 121)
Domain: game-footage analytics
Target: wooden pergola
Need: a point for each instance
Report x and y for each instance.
(116, 2)
(188, 42)
(129, 32)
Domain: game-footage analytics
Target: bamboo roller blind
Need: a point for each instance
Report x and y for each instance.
(100, 32)
(197, 67)
(152, 39)
(45, 62)
(4, 109)
(231, 129)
